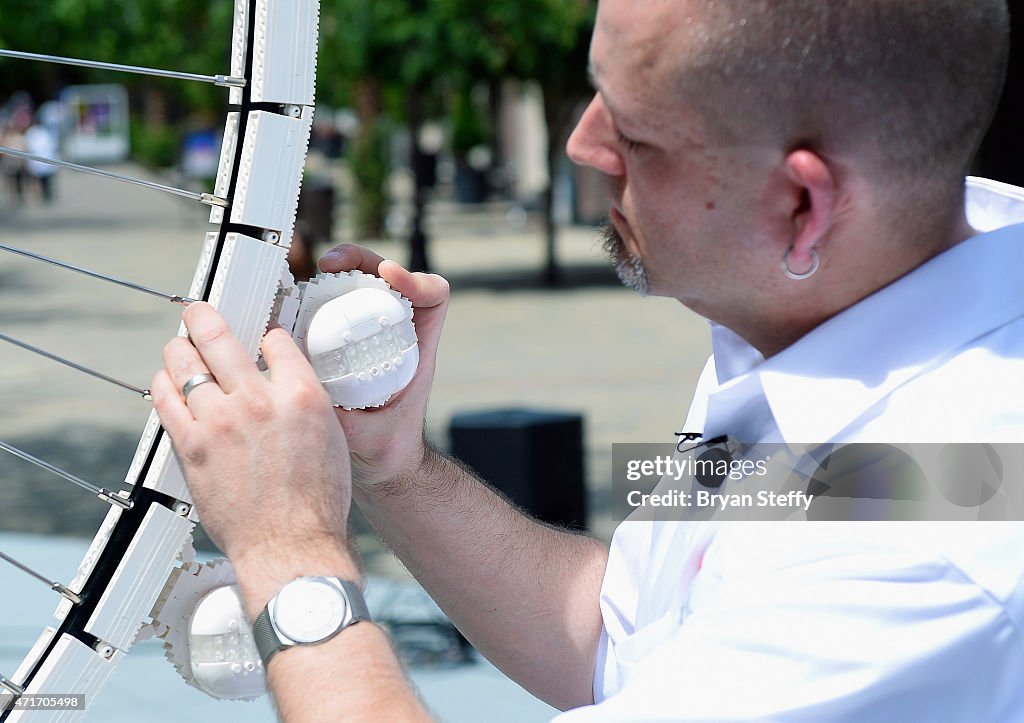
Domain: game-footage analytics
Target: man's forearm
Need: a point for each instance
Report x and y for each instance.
(525, 594)
(354, 676)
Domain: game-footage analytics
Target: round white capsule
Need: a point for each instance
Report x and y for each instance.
(222, 652)
(363, 347)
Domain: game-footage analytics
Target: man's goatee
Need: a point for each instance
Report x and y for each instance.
(630, 268)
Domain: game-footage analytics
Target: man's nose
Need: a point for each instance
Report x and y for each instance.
(593, 142)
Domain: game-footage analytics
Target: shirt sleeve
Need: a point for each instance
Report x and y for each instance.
(840, 635)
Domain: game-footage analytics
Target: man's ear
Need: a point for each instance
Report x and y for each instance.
(814, 198)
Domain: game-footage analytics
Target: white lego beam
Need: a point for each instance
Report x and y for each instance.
(165, 474)
(34, 655)
(270, 173)
(72, 668)
(139, 578)
(284, 42)
(285, 48)
(239, 46)
(228, 146)
(245, 285)
(92, 556)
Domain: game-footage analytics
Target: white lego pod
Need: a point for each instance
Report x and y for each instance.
(223, 657)
(206, 634)
(284, 51)
(363, 347)
(359, 336)
(270, 172)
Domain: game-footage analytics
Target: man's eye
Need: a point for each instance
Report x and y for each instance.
(631, 145)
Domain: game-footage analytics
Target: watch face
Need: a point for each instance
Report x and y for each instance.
(309, 609)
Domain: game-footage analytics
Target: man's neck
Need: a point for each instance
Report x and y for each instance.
(837, 289)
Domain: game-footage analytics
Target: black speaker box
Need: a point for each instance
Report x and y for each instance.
(534, 457)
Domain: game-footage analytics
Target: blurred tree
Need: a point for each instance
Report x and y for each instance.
(401, 56)
(470, 131)
(29, 26)
(562, 76)
(384, 58)
(188, 35)
(193, 36)
(541, 40)
(387, 58)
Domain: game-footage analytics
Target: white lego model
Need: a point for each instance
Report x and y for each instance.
(122, 592)
(205, 632)
(363, 346)
(223, 657)
(358, 334)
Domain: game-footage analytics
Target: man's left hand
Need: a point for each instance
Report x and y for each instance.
(266, 460)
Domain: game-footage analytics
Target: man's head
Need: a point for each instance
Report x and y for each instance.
(853, 77)
(732, 130)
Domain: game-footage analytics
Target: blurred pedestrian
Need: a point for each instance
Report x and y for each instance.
(13, 136)
(41, 140)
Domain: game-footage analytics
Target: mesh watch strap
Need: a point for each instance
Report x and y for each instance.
(268, 642)
(357, 608)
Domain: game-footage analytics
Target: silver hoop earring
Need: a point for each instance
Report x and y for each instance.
(815, 262)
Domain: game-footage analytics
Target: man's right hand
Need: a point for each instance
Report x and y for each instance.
(388, 441)
(525, 594)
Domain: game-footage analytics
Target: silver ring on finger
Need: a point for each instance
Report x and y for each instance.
(197, 380)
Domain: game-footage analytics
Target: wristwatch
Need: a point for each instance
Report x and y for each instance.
(307, 611)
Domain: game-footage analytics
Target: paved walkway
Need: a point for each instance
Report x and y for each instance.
(627, 364)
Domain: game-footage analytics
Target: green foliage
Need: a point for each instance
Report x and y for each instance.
(418, 54)
(425, 45)
(527, 39)
(436, 46)
(433, 53)
(370, 164)
(393, 41)
(189, 35)
(469, 124)
(156, 146)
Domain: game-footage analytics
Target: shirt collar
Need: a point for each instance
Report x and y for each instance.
(830, 377)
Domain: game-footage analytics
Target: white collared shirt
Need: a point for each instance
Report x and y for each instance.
(836, 621)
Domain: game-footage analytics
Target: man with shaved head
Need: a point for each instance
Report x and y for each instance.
(754, 128)
(794, 171)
